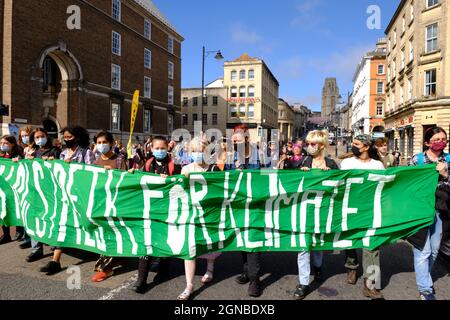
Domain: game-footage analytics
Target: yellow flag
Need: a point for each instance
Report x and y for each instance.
(134, 111)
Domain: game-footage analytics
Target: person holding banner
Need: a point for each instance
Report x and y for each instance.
(317, 144)
(9, 149)
(365, 157)
(104, 143)
(197, 149)
(427, 241)
(43, 148)
(76, 140)
(160, 163)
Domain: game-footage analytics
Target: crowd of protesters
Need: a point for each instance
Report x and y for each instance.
(160, 156)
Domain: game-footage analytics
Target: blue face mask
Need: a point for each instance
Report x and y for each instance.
(160, 154)
(103, 148)
(41, 142)
(26, 139)
(4, 148)
(197, 157)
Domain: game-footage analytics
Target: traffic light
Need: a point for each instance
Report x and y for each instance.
(4, 110)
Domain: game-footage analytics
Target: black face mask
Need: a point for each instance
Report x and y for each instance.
(356, 151)
(70, 143)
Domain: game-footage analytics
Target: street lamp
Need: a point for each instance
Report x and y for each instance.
(204, 56)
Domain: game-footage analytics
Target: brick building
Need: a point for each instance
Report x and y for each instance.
(54, 74)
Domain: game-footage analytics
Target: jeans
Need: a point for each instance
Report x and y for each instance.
(424, 259)
(252, 265)
(36, 246)
(304, 267)
(371, 266)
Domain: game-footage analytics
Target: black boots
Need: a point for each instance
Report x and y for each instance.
(143, 269)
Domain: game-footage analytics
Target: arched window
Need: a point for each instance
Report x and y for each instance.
(233, 92)
(233, 111)
(233, 75)
(251, 91)
(251, 110)
(242, 75)
(242, 92)
(251, 74)
(242, 110)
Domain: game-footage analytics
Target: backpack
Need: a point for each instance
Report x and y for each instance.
(421, 158)
(148, 166)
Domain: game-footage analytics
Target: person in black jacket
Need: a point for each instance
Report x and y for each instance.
(317, 143)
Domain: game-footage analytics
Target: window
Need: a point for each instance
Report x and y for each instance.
(170, 95)
(116, 43)
(242, 110)
(389, 44)
(394, 69)
(432, 38)
(389, 73)
(411, 50)
(251, 110)
(402, 94)
(242, 92)
(185, 101)
(170, 68)
(395, 37)
(205, 119)
(233, 92)
(115, 117)
(242, 75)
(403, 58)
(411, 10)
(251, 74)
(147, 59)
(410, 89)
(403, 24)
(380, 69)
(194, 118)
(147, 120)
(233, 110)
(380, 87)
(116, 10)
(215, 100)
(233, 75)
(251, 91)
(170, 124)
(431, 3)
(430, 82)
(185, 119)
(147, 87)
(115, 77)
(379, 109)
(205, 100)
(147, 29)
(170, 44)
(195, 101)
(214, 119)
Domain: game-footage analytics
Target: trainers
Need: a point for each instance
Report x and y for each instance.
(254, 289)
(18, 237)
(352, 276)
(35, 256)
(373, 293)
(140, 287)
(242, 279)
(25, 245)
(426, 296)
(301, 292)
(318, 276)
(5, 239)
(51, 268)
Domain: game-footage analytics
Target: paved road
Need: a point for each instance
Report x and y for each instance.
(22, 280)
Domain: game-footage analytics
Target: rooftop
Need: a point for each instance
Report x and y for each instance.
(153, 10)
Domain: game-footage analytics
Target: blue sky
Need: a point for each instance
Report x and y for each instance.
(302, 41)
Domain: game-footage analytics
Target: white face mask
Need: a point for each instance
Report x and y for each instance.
(313, 151)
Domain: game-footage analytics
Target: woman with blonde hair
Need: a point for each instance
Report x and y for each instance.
(317, 143)
(197, 148)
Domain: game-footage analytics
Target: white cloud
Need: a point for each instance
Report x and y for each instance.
(307, 14)
(342, 64)
(241, 34)
(291, 68)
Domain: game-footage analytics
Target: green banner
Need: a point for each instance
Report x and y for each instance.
(116, 213)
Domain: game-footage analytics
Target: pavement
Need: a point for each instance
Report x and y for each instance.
(20, 280)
